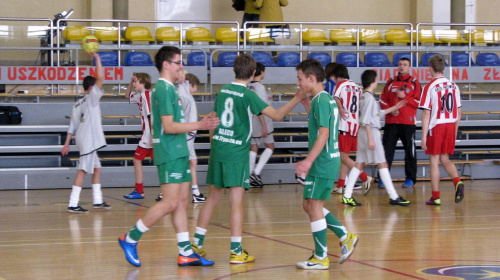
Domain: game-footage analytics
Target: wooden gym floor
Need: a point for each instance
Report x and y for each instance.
(40, 240)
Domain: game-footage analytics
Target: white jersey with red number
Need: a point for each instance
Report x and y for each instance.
(442, 98)
(143, 100)
(349, 93)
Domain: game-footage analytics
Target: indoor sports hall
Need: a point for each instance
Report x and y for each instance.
(42, 66)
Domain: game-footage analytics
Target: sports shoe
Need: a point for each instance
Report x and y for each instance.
(199, 251)
(399, 201)
(159, 197)
(243, 258)
(130, 250)
(256, 180)
(193, 260)
(459, 192)
(78, 210)
(408, 183)
(102, 205)
(348, 246)
(350, 201)
(301, 180)
(198, 198)
(380, 184)
(431, 201)
(367, 186)
(134, 195)
(336, 190)
(314, 263)
(357, 187)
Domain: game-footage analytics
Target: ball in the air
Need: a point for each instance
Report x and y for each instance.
(90, 44)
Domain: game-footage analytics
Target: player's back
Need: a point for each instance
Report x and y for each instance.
(442, 97)
(349, 94)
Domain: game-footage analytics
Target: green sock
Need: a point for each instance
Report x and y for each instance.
(137, 231)
(183, 244)
(236, 245)
(319, 235)
(333, 224)
(198, 240)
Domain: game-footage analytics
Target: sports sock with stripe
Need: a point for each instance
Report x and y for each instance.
(199, 236)
(236, 245)
(183, 244)
(136, 232)
(318, 229)
(333, 224)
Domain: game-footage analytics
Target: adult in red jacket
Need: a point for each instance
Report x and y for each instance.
(401, 124)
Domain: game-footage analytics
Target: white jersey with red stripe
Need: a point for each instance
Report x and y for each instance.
(143, 100)
(442, 98)
(349, 94)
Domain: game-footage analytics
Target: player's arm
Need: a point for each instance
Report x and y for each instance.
(384, 97)
(457, 123)
(414, 99)
(263, 124)
(342, 112)
(99, 70)
(65, 148)
(211, 131)
(396, 107)
(426, 116)
(278, 115)
(172, 127)
(371, 143)
(302, 167)
(129, 88)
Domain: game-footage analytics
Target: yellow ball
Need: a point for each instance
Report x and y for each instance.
(90, 44)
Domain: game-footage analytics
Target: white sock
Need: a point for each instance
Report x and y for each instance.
(253, 157)
(195, 190)
(353, 176)
(386, 179)
(264, 158)
(97, 193)
(140, 227)
(184, 237)
(74, 197)
(316, 226)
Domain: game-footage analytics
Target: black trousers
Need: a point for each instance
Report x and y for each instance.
(405, 132)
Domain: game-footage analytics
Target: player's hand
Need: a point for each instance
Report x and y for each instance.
(208, 123)
(423, 143)
(301, 94)
(401, 94)
(343, 113)
(264, 132)
(65, 150)
(401, 104)
(302, 168)
(371, 144)
(93, 54)
(182, 76)
(395, 113)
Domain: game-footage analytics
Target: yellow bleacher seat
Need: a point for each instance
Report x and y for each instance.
(258, 35)
(75, 33)
(138, 34)
(314, 36)
(199, 34)
(451, 36)
(480, 36)
(427, 36)
(227, 35)
(107, 34)
(168, 34)
(371, 36)
(342, 36)
(397, 35)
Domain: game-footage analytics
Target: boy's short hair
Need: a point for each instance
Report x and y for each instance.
(329, 69)
(192, 79)
(313, 67)
(405, 59)
(436, 62)
(244, 67)
(340, 71)
(88, 82)
(144, 78)
(166, 53)
(368, 77)
(260, 68)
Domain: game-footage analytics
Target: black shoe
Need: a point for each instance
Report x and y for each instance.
(103, 205)
(459, 192)
(301, 180)
(198, 198)
(349, 201)
(400, 201)
(78, 210)
(159, 197)
(257, 181)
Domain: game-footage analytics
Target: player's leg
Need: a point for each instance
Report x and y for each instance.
(213, 198)
(451, 169)
(76, 189)
(96, 190)
(389, 141)
(407, 136)
(435, 178)
(353, 176)
(139, 155)
(347, 239)
(385, 176)
(254, 148)
(264, 158)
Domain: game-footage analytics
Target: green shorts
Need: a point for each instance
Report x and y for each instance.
(318, 188)
(226, 175)
(175, 171)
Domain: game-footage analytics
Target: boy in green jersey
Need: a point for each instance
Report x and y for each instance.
(321, 165)
(171, 156)
(228, 166)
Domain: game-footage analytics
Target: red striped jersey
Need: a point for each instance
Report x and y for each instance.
(442, 98)
(143, 100)
(349, 93)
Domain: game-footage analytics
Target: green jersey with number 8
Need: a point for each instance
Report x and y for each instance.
(234, 106)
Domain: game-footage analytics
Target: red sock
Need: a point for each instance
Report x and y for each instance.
(363, 176)
(139, 187)
(456, 180)
(340, 183)
(435, 195)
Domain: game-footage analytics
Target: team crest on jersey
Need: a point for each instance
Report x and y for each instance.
(466, 272)
(407, 90)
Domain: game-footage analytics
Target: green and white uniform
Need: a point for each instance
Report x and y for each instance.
(229, 151)
(170, 151)
(325, 169)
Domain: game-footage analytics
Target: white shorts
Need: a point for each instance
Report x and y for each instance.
(88, 162)
(366, 155)
(192, 152)
(259, 140)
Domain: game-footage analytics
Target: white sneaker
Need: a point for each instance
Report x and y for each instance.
(336, 190)
(367, 186)
(314, 263)
(348, 246)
